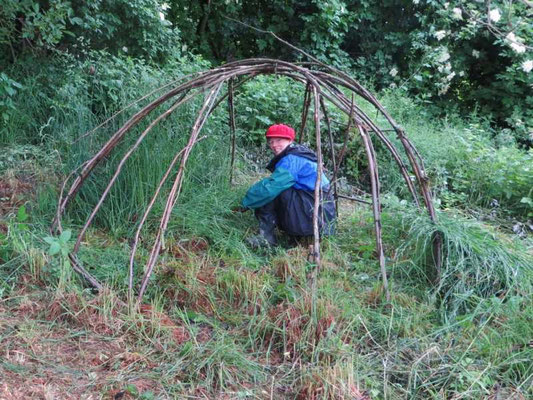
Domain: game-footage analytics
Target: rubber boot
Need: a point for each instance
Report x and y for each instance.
(267, 228)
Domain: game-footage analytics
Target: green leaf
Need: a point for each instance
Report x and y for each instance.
(132, 389)
(65, 236)
(49, 239)
(21, 214)
(54, 248)
(148, 395)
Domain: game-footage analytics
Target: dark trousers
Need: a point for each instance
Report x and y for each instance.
(292, 212)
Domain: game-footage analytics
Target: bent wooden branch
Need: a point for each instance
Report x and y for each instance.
(322, 83)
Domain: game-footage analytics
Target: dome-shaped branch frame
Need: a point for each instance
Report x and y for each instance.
(321, 83)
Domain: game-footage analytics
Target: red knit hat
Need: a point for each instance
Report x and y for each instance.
(280, 131)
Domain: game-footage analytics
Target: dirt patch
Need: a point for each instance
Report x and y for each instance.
(186, 248)
(14, 192)
(180, 334)
(88, 313)
(291, 322)
(74, 353)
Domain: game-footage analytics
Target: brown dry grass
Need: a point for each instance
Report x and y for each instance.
(67, 347)
(50, 360)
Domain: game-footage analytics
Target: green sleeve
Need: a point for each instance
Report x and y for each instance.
(268, 189)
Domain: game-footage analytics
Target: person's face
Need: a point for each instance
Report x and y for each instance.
(277, 145)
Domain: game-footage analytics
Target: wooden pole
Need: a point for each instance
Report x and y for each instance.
(231, 110)
(176, 189)
(376, 206)
(318, 182)
(332, 152)
(305, 111)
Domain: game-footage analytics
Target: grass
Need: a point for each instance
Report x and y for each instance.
(220, 321)
(225, 324)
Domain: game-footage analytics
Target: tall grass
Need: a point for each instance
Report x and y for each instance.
(477, 261)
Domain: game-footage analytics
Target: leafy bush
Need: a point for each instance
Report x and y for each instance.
(135, 27)
(267, 100)
(491, 176)
(469, 163)
(8, 89)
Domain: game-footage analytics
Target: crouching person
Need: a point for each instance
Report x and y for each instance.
(286, 198)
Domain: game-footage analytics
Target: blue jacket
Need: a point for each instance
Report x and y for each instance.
(295, 167)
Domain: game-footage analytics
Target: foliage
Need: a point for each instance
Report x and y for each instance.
(264, 101)
(498, 177)
(470, 164)
(317, 25)
(137, 28)
(8, 89)
(475, 55)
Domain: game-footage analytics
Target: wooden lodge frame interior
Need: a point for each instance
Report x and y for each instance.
(321, 82)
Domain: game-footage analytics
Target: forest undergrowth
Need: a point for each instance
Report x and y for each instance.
(221, 321)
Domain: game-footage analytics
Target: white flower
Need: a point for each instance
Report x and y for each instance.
(457, 13)
(475, 53)
(444, 56)
(527, 65)
(450, 76)
(165, 6)
(511, 36)
(461, 73)
(125, 49)
(415, 2)
(161, 16)
(393, 72)
(446, 5)
(440, 35)
(516, 43)
(444, 89)
(519, 48)
(495, 15)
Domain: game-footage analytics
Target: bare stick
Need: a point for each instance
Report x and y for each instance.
(147, 212)
(305, 111)
(332, 151)
(176, 188)
(76, 266)
(376, 206)
(354, 199)
(318, 182)
(345, 143)
(231, 110)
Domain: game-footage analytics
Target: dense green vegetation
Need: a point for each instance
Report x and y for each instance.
(220, 320)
